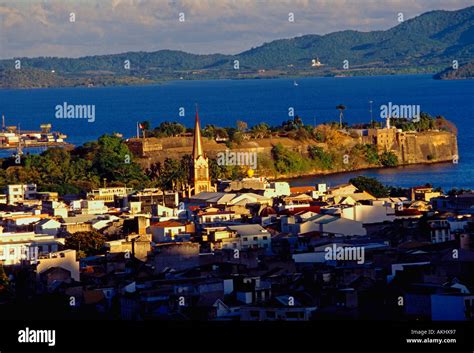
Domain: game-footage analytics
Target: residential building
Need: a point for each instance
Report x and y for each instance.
(214, 215)
(167, 231)
(176, 256)
(325, 225)
(368, 214)
(249, 236)
(108, 194)
(20, 192)
(91, 207)
(48, 226)
(18, 247)
(152, 197)
(65, 259)
(439, 231)
(54, 208)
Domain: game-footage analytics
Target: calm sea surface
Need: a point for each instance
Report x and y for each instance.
(222, 102)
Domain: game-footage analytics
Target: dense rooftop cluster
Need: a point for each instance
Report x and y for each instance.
(251, 250)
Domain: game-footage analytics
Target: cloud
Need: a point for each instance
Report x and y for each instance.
(42, 28)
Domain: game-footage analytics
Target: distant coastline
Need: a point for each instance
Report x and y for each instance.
(463, 72)
(418, 45)
(38, 79)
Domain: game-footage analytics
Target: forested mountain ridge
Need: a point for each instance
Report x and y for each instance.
(426, 43)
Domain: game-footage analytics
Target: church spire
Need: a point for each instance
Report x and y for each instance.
(200, 163)
(197, 144)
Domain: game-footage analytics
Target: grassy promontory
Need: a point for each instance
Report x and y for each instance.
(289, 150)
(294, 149)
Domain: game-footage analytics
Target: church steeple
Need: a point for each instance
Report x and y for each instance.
(200, 164)
(197, 144)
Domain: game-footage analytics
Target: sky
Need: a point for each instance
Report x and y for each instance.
(74, 28)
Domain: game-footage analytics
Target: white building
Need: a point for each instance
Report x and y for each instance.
(20, 192)
(277, 189)
(249, 236)
(439, 231)
(135, 207)
(321, 190)
(54, 208)
(214, 215)
(167, 231)
(18, 247)
(91, 207)
(47, 226)
(65, 259)
(103, 221)
(108, 194)
(324, 224)
(21, 221)
(163, 211)
(369, 214)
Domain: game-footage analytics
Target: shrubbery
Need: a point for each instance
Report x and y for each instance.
(389, 159)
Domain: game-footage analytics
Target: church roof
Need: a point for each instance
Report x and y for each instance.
(197, 143)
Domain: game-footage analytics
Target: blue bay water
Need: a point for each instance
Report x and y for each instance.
(223, 102)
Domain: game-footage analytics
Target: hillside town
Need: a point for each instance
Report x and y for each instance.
(249, 249)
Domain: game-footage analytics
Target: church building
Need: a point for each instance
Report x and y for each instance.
(201, 180)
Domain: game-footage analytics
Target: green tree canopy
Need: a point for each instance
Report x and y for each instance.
(167, 129)
(370, 185)
(388, 159)
(86, 243)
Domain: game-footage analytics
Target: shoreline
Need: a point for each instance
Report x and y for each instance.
(342, 172)
(165, 81)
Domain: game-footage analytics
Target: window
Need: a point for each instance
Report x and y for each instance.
(255, 238)
(265, 238)
(245, 239)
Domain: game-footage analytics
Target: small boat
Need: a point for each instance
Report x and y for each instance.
(295, 83)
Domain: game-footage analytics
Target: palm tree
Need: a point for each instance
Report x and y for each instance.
(341, 108)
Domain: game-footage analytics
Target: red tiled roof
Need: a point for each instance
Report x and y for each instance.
(302, 189)
(315, 209)
(408, 212)
(166, 224)
(267, 211)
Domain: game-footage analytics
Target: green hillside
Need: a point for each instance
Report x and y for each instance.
(427, 43)
(463, 72)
